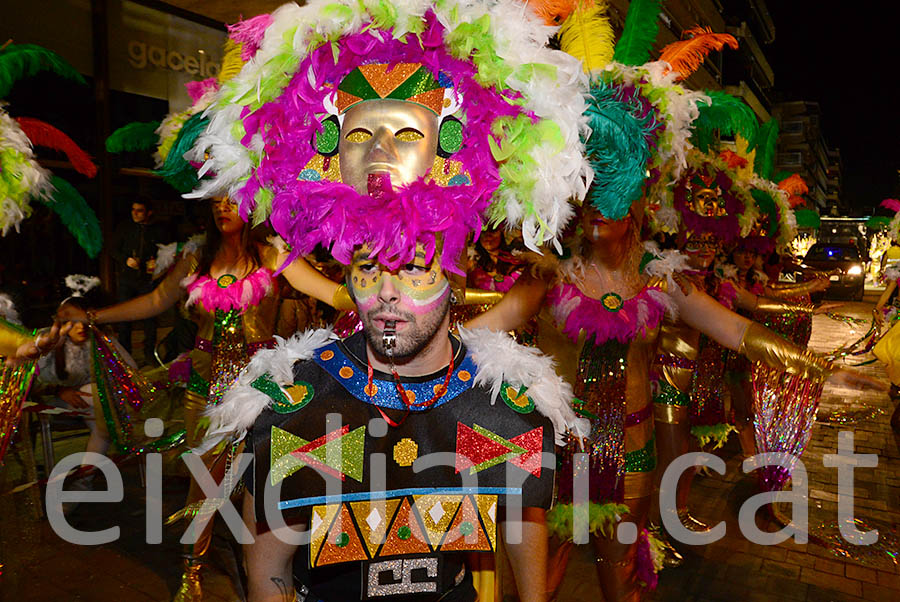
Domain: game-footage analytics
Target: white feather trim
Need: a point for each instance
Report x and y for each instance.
(891, 273)
(728, 271)
(165, 258)
(80, 284)
(242, 404)
(501, 360)
(665, 263)
(8, 309)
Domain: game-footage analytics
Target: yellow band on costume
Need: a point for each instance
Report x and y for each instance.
(638, 484)
(669, 414)
(477, 296)
(11, 338)
(772, 306)
(759, 344)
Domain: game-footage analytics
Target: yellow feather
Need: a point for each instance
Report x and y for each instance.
(587, 35)
(742, 146)
(231, 62)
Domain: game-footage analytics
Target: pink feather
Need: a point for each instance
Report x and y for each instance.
(249, 32)
(44, 134)
(892, 204)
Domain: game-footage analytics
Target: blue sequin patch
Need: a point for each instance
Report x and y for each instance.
(309, 175)
(384, 393)
(459, 180)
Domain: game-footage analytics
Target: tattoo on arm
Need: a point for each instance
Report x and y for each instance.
(287, 593)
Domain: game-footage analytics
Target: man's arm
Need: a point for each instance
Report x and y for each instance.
(529, 557)
(268, 562)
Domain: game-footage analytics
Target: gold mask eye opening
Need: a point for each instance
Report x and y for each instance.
(358, 135)
(409, 135)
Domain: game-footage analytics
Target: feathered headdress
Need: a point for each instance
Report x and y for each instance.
(509, 113)
(22, 179)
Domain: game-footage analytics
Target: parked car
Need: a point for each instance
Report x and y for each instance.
(850, 281)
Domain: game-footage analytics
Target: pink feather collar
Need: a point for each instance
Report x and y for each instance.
(221, 294)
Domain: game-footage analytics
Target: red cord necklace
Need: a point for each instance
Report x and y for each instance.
(441, 390)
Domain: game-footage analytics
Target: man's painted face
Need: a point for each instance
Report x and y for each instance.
(701, 250)
(391, 138)
(416, 296)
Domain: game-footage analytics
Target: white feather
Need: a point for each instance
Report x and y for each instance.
(501, 360)
(8, 309)
(165, 258)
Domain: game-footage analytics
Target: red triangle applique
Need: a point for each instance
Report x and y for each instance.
(533, 441)
(466, 532)
(473, 448)
(342, 543)
(405, 535)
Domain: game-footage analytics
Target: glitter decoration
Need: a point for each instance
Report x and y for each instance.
(670, 396)
(197, 384)
(785, 407)
(415, 543)
(229, 354)
(405, 452)
(851, 416)
(883, 555)
(15, 383)
(478, 449)
(288, 400)
(404, 532)
(601, 391)
(226, 280)
(341, 544)
(707, 401)
(642, 460)
(575, 312)
(402, 81)
(327, 139)
(466, 532)
(321, 518)
(611, 302)
(401, 572)
(447, 172)
(516, 399)
(373, 518)
(450, 136)
(339, 453)
(384, 392)
(437, 512)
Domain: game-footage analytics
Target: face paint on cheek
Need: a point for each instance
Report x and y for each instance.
(365, 289)
(422, 295)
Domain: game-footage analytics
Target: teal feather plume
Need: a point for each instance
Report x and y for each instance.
(76, 215)
(617, 151)
(135, 136)
(180, 174)
(766, 144)
(639, 32)
(727, 115)
(18, 61)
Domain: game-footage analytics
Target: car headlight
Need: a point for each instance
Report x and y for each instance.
(855, 270)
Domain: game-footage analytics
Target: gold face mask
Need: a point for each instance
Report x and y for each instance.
(705, 201)
(391, 138)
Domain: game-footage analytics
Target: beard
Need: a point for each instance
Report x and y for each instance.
(418, 334)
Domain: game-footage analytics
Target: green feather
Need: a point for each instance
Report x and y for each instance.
(24, 60)
(876, 222)
(727, 115)
(717, 434)
(766, 144)
(180, 174)
(77, 216)
(136, 136)
(639, 33)
(807, 218)
(766, 205)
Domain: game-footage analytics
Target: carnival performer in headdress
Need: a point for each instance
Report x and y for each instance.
(601, 311)
(885, 314)
(407, 129)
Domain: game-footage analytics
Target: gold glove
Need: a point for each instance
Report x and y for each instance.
(778, 306)
(787, 289)
(759, 344)
(342, 300)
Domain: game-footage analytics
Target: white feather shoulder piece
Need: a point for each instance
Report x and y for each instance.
(665, 263)
(242, 404)
(501, 360)
(728, 271)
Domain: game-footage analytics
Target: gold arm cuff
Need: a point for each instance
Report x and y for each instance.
(759, 344)
(788, 289)
(638, 485)
(342, 300)
(477, 296)
(669, 414)
(777, 306)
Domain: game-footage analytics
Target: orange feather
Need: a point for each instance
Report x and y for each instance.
(686, 55)
(554, 12)
(795, 187)
(734, 160)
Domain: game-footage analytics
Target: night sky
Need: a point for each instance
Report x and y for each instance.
(846, 60)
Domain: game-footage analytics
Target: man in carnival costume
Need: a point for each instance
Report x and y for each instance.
(387, 134)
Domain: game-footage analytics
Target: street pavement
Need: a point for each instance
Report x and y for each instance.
(38, 565)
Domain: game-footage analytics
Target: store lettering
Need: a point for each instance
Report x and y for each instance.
(140, 55)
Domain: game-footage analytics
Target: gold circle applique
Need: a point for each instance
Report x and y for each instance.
(411, 396)
(516, 399)
(464, 376)
(439, 390)
(297, 392)
(327, 355)
(346, 372)
(405, 452)
(371, 390)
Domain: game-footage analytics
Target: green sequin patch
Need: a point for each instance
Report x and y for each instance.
(298, 395)
(197, 384)
(670, 396)
(516, 399)
(642, 460)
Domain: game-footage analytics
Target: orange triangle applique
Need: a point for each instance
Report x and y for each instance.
(466, 532)
(436, 511)
(342, 543)
(383, 81)
(344, 100)
(373, 519)
(405, 536)
(320, 523)
(433, 99)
